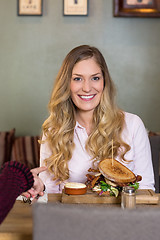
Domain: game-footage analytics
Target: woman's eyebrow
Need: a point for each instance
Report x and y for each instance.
(99, 73)
(78, 74)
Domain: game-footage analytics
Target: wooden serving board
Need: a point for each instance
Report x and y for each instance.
(143, 196)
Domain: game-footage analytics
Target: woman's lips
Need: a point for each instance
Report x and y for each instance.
(87, 97)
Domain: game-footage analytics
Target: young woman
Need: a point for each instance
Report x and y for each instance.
(83, 121)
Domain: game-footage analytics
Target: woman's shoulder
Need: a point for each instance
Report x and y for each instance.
(132, 119)
(133, 125)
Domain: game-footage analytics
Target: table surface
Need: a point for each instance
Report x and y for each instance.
(18, 224)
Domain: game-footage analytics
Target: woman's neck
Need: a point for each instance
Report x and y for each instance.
(86, 120)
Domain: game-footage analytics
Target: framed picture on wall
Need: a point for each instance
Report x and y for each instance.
(75, 7)
(136, 8)
(29, 7)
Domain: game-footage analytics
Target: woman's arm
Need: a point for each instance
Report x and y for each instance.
(143, 158)
(46, 177)
(137, 137)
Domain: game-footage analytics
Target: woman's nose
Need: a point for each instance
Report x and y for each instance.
(86, 86)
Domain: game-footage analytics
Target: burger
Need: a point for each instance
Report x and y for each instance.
(110, 177)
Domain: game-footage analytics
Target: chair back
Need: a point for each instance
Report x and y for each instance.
(84, 222)
(155, 150)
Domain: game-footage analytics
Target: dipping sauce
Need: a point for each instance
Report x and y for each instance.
(74, 188)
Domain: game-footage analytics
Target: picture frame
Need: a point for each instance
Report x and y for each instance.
(75, 7)
(29, 7)
(136, 8)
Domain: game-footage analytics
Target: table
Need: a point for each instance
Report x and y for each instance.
(18, 223)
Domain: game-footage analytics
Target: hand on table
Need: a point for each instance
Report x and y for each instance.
(38, 186)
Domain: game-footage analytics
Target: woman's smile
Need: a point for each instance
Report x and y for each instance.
(87, 97)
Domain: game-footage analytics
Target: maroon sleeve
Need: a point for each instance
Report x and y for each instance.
(15, 178)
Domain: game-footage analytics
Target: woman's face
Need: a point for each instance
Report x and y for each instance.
(86, 85)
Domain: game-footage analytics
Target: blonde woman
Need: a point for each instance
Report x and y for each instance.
(83, 121)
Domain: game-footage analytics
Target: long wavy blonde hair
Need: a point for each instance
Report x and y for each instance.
(58, 129)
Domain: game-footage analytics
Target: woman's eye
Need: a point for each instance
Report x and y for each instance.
(96, 78)
(77, 79)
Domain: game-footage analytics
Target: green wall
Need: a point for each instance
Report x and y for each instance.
(33, 48)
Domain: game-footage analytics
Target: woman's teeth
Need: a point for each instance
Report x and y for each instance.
(86, 97)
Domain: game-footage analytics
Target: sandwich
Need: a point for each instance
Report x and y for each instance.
(110, 177)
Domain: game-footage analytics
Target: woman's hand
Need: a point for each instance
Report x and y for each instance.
(38, 186)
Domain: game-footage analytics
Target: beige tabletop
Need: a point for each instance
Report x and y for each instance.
(18, 223)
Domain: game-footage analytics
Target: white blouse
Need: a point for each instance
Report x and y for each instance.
(133, 134)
